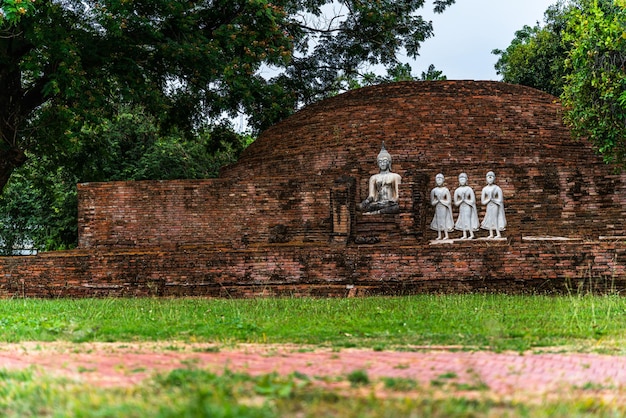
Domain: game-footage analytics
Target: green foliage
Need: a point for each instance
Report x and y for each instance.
(536, 56)
(128, 146)
(580, 56)
(12, 11)
(400, 72)
(197, 393)
(38, 210)
(595, 89)
(432, 74)
(400, 384)
(68, 65)
(39, 204)
(359, 378)
(364, 33)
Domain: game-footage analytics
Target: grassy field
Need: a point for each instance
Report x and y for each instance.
(489, 322)
(495, 322)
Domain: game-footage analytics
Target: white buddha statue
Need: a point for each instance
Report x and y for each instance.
(465, 200)
(383, 188)
(495, 219)
(441, 200)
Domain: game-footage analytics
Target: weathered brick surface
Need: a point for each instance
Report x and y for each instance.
(320, 270)
(173, 213)
(280, 189)
(283, 221)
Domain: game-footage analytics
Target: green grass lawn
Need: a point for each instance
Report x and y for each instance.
(494, 322)
(490, 322)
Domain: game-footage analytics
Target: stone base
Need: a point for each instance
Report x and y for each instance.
(462, 240)
(550, 238)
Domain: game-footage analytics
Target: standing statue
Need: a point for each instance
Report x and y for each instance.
(441, 200)
(495, 220)
(465, 200)
(383, 188)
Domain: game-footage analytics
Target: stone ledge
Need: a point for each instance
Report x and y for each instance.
(549, 238)
(461, 240)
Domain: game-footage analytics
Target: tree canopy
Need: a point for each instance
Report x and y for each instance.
(137, 89)
(580, 56)
(536, 56)
(594, 93)
(66, 64)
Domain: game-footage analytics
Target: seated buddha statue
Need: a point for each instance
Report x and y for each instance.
(383, 188)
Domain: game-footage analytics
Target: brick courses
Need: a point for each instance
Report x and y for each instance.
(552, 184)
(320, 270)
(283, 221)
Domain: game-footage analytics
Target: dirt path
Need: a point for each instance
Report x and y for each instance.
(505, 376)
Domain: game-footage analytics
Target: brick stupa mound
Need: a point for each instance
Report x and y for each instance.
(553, 185)
(283, 220)
(442, 124)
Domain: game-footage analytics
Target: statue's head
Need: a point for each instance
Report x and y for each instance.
(383, 155)
(491, 177)
(439, 179)
(462, 179)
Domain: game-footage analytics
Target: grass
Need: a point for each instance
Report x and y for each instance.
(196, 393)
(493, 322)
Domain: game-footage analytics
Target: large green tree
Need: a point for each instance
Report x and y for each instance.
(66, 64)
(594, 92)
(580, 56)
(536, 56)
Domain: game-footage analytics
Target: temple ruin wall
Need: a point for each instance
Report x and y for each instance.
(282, 220)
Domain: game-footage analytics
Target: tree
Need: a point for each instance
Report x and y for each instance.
(38, 209)
(580, 55)
(594, 94)
(129, 146)
(401, 72)
(432, 74)
(536, 56)
(66, 64)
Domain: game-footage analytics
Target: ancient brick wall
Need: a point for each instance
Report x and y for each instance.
(552, 184)
(280, 190)
(283, 220)
(209, 212)
(320, 270)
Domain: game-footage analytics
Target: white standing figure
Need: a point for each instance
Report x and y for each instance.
(441, 200)
(495, 220)
(465, 200)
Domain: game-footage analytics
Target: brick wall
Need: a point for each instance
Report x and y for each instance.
(174, 213)
(283, 221)
(280, 190)
(320, 270)
(552, 184)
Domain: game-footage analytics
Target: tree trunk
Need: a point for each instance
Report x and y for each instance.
(10, 159)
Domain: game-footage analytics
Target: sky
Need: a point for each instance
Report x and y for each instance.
(467, 32)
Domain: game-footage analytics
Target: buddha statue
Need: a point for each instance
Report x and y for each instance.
(491, 196)
(383, 188)
(442, 201)
(465, 199)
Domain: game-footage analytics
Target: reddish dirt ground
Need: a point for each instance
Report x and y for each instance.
(505, 376)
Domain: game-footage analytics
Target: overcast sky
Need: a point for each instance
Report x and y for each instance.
(467, 32)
